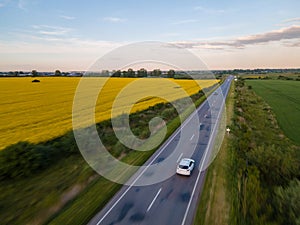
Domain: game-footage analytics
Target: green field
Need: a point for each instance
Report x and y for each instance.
(284, 99)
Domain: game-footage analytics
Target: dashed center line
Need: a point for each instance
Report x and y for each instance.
(179, 157)
(192, 137)
(149, 207)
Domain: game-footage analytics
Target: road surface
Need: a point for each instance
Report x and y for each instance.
(172, 201)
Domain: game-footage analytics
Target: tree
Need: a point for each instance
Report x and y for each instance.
(124, 73)
(117, 73)
(142, 73)
(13, 73)
(104, 73)
(57, 73)
(130, 73)
(34, 73)
(156, 73)
(171, 73)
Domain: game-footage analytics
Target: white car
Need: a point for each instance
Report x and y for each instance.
(185, 166)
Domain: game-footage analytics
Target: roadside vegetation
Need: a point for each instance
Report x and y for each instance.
(49, 182)
(263, 166)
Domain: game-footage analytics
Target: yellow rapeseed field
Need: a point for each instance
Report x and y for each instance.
(36, 112)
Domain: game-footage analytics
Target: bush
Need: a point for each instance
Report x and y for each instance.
(287, 202)
(23, 159)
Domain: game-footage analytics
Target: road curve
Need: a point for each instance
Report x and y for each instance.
(174, 200)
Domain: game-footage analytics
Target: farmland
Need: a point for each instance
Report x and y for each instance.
(284, 99)
(36, 112)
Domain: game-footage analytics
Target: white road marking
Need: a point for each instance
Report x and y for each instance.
(149, 207)
(192, 137)
(179, 157)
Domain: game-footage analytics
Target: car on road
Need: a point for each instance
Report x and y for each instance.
(185, 166)
(201, 126)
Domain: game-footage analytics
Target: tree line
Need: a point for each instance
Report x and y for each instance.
(106, 73)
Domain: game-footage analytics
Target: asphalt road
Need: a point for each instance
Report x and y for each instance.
(174, 200)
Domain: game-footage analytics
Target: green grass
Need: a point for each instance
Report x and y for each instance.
(284, 99)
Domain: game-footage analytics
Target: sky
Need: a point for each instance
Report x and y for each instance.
(71, 35)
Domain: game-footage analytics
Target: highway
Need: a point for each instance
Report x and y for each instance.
(174, 200)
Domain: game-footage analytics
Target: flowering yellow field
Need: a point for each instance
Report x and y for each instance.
(37, 112)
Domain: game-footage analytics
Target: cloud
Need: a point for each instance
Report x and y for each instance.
(36, 43)
(291, 32)
(209, 10)
(113, 19)
(288, 33)
(185, 21)
(67, 17)
(292, 20)
(51, 30)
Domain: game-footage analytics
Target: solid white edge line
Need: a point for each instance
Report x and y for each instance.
(201, 167)
(149, 207)
(163, 147)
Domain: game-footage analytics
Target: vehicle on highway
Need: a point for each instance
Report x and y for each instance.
(185, 166)
(201, 126)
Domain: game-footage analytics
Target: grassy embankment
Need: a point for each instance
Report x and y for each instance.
(33, 199)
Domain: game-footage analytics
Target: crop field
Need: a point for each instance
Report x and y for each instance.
(36, 112)
(284, 99)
